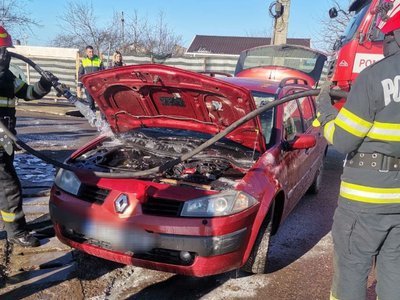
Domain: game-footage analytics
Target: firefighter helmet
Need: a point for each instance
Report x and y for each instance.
(5, 38)
(389, 16)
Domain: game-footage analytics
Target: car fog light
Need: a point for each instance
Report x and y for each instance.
(69, 231)
(185, 256)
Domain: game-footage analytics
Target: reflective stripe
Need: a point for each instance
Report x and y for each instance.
(29, 92)
(18, 84)
(6, 102)
(385, 132)
(329, 130)
(332, 298)
(352, 123)
(7, 217)
(369, 194)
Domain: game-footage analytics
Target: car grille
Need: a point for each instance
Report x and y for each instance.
(93, 194)
(162, 207)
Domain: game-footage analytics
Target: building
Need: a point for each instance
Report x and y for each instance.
(232, 45)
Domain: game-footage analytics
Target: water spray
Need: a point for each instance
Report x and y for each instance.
(62, 90)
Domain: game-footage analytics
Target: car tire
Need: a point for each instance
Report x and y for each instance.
(257, 261)
(316, 185)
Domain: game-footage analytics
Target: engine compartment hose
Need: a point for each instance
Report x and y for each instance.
(169, 164)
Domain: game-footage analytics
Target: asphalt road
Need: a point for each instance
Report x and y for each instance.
(300, 256)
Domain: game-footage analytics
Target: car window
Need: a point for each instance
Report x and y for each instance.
(307, 111)
(267, 117)
(292, 122)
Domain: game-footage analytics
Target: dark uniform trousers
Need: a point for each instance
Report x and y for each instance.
(10, 186)
(359, 238)
(10, 196)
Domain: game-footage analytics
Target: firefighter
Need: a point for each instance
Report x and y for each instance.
(366, 223)
(10, 187)
(91, 63)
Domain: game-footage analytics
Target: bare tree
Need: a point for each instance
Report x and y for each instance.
(160, 40)
(332, 29)
(80, 28)
(137, 30)
(14, 17)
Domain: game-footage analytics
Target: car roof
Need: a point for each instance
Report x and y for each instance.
(260, 85)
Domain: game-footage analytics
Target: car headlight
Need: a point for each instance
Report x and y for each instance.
(68, 181)
(222, 204)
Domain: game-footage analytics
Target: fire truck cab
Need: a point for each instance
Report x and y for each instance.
(360, 45)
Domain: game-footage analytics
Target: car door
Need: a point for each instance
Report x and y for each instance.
(311, 158)
(302, 164)
(292, 124)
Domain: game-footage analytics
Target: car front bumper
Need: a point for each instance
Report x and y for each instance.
(195, 255)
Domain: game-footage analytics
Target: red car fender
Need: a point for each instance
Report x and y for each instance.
(265, 205)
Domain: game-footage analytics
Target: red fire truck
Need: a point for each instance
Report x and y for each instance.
(359, 46)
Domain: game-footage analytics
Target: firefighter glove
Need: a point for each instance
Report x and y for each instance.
(325, 111)
(47, 80)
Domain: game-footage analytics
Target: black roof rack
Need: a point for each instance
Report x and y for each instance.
(295, 80)
(214, 74)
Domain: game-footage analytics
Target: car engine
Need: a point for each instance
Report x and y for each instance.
(218, 167)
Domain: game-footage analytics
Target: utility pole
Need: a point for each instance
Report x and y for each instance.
(123, 29)
(279, 10)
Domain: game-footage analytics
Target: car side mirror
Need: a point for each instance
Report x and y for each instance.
(333, 13)
(301, 141)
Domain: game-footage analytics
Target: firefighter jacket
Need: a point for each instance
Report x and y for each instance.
(369, 123)
(89, 66)
(19, 89)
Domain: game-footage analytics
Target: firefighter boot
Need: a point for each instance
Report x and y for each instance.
(25, 240)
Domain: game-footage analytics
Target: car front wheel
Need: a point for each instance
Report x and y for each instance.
(316, 185)
(257, 261)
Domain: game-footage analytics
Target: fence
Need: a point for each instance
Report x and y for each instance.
(64, 63)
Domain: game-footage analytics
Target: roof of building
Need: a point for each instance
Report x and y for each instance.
(212, 44)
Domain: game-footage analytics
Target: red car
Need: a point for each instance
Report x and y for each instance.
(209, 214)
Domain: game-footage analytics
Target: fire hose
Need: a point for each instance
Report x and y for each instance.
(169, 164)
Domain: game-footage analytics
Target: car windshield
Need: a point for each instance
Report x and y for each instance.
(289, 56)
(267, 117)
(354, 23)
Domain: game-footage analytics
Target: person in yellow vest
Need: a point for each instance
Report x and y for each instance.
(91, 63)
(10, 187)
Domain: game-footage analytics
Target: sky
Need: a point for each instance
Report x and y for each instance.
(186, 17)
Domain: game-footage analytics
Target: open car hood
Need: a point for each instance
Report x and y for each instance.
(167, 97)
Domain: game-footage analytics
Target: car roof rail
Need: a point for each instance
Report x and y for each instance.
(295, 80)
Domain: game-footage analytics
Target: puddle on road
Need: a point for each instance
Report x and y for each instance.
(32, 171)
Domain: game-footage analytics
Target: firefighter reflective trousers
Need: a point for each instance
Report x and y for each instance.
(10, 197)
(360, 238)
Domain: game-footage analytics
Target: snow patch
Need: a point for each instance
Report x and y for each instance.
(245, 287)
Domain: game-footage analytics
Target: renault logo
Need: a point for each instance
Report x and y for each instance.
(121, 203)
